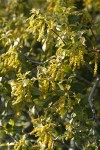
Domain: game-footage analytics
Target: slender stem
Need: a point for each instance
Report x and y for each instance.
(40, 63)
(93, 33)
(59, 36)
(90, 98)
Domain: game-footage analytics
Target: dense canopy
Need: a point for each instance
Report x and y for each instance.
(49, 74)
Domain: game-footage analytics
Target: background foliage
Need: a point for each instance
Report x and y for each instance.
(49, 74)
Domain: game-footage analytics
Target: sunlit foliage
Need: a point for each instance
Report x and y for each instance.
(49, 69)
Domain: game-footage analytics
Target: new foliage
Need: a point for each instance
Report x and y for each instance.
(49, 74)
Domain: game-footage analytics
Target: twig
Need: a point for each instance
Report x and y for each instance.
(83, 79)
(59, 37)
(90, 100)
(80, 79)
(72, 144)
(93, 33)
(39, 63)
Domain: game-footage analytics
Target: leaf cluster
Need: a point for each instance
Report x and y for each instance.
(49, 60)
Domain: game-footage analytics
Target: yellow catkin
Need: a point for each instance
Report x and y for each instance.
(41, 33)
(45, 139)
(95, 68)
(50, 143)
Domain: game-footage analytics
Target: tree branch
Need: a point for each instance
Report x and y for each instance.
(90, 98)
(39, 63)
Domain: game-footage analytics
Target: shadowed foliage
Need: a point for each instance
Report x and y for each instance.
(49, 74)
